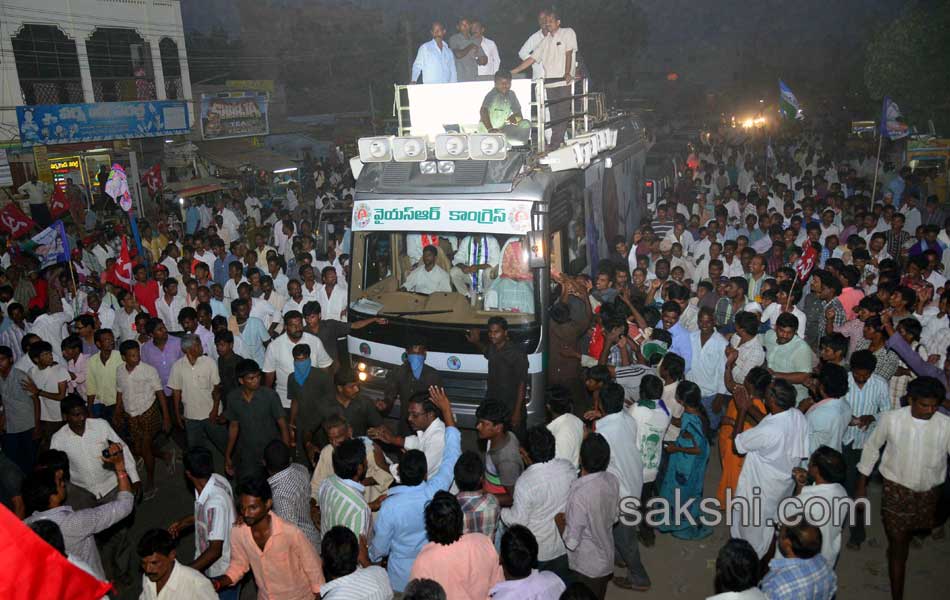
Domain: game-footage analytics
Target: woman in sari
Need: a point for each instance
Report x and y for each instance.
(686, 468)
(755, 386)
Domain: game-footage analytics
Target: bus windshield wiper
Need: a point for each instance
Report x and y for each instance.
(417, 312)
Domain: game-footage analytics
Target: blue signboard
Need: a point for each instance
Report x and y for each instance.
(48, 124)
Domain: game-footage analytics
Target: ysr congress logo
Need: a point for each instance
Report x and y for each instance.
(361, 215)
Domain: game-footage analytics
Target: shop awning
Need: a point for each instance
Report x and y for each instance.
(196, 187)
(236, 153)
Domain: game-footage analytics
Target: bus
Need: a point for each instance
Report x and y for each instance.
(531, 213)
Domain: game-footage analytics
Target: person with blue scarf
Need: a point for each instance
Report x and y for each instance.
(309, 390)
(407, 380)
(686, 469)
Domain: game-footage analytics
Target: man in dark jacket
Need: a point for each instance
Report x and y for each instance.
(405, 381)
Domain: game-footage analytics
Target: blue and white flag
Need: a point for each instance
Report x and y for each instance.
(788, 103)
(892, 123)
(49, 246)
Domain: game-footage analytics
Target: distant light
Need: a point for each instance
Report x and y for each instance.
(672, 76)
(649, 184)
(169, 141)
(285, 170)
(181, 201)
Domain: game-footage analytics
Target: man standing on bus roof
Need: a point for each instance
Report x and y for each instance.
(557, 53)
(428, 277)
(434, 60)
(507, 371)
(476, 263)
(468, 54)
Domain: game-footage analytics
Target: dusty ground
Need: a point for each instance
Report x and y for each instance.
(679, 569)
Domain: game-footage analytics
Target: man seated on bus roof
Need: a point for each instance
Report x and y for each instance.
(428, 277)
(476, 263)
(500, 108)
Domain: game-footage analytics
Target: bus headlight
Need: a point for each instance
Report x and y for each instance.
(362, 376)
(361, 366)
(378, 372)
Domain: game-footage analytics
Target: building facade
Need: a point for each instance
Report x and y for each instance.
(86, 51)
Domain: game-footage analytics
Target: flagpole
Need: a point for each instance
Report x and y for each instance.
(877, 168)
(788, 301)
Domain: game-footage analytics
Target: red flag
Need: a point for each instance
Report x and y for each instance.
(33, 569)
(14, 221)
(153, 178)
(807, 262)
(59, 205)
(121, 273)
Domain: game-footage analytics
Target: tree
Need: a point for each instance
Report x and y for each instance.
(908, 59)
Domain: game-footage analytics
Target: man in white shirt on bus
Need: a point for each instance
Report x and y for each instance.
(428, 277)
(557, 53)
(489, 48)
(537, 70)
(475, 263)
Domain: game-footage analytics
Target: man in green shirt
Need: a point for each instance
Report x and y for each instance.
(501, 111)
(789, 356)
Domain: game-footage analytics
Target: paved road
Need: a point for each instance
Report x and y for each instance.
(679, 569)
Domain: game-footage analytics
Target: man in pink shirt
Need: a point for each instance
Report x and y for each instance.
(284, 562)
(851, 294)
(466, 566)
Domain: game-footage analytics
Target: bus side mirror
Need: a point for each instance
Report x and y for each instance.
(537, 250)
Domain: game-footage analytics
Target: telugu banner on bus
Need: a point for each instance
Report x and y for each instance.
(500, 216)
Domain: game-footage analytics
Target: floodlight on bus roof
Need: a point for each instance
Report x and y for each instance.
(410, 149)
(574, 156)
(375, 149)
(488, 146)
(451, 146)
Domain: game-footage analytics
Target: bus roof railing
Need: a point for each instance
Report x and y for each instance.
(587, 109)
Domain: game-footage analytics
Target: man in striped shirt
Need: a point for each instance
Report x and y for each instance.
(341, 495)
(868, 397)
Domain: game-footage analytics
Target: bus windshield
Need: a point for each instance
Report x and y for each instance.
(443, 277)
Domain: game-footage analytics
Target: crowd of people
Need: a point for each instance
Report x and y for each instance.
(222, 357)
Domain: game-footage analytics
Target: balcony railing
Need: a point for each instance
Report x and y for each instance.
(126, 89)
(51, 91)
(173, 89)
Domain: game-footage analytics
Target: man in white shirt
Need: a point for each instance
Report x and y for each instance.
(169, 305)
(213, 515)
(475, 263)
(231, 222)
(36, 193)
(83, 439)
(914, 466)
(429, 434)
(428, 277)
(557, 53)
(708, 367)
(279, 359)
(772, 449)
(489, 49)
(163, 577)
(619, 428)
(332, 296)
(531, 44)
(540, 494)
(826, 469)
(47, 382)
(567, 428)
